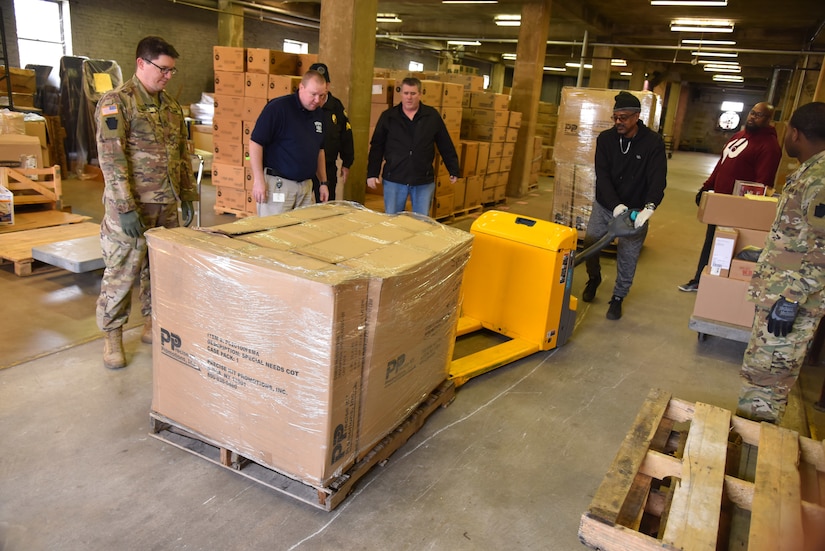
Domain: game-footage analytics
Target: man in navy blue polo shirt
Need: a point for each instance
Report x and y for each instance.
(286, 149)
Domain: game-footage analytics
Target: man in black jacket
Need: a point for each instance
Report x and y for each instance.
(337, 140)
(631, 173)
(404, 138)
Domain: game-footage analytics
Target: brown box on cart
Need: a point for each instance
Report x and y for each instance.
(723, 299)
(751, 212)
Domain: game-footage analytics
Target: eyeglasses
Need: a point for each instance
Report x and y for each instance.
(623, 118)
(757, 114)
(163, 70)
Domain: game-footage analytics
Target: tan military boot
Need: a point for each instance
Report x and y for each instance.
(113, 356)
(147, 331)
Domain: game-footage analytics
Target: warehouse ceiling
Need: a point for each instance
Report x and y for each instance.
(768, 34)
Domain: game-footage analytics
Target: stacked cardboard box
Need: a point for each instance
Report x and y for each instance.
(245, 80)
(742, 222)
(324, 344)
(583, 114)
(23, 86)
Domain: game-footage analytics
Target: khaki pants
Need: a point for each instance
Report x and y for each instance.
(284, 195)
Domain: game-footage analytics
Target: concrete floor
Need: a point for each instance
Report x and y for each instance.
(512, 463)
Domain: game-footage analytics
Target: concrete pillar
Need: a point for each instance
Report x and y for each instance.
(600, 73)
(230, 24)
(819, 92)
(526, 91)
(497, 78)
(350, 56)
(637, 78)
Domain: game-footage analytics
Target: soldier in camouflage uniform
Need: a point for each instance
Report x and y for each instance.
(788, 284)
(141, 141)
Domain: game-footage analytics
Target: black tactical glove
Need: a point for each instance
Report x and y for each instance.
(131, 224)
(187, 210)
(782, 315)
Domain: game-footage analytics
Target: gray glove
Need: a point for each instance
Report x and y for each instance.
(132, 224)
(187, 210)
(782, 315)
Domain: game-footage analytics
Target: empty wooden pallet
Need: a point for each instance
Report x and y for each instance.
(696, 477)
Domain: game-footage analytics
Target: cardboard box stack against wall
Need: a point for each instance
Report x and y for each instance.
(742, 222)
(583, 114)
(245, 80)
(334, 322)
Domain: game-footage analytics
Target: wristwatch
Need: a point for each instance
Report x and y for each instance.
(651, 206)
(324, 184)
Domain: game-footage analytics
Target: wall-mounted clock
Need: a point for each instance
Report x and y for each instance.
(729, 120)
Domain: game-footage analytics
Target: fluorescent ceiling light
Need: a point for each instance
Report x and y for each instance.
(387, 18)
(719, 3)
(701, 25)
(618, 63)
(705, 42)
(464, 43)
(508, 56)
(506, 20)
(719, 62)
(728, 78)
(626, 74)
(715, 54)
(737, 106)
(557, 69)
(722, 69)
(577, 65)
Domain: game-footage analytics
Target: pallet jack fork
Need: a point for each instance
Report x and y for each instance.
(517, 283)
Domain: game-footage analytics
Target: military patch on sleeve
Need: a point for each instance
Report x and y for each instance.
(107, 110)
(819, 210)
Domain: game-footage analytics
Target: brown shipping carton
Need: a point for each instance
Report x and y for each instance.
(228, 83)
(431, 92)
(229, 58)
(443, 205)
(472, 193)
(279, 85)
(257, 85)
(452, 95)
(342, 346)
(741, 269)
(231, 176)
(723, 299)
(751, 212)
(459, 189)
(229, 107)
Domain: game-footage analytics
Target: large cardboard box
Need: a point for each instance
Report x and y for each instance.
(12, 146)
(431, 92)
(382, 91)
(751, 212)
(325, 343)
(452, 95)
(271, 62)
(228, 83)
(23, 81)
(256, 85)
(231, 176)
(723, 299)
(230, 107)
(741, 269)
(225, 129)
(279, 85)
(229, 58)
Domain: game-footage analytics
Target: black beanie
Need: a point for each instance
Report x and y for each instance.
(625, 101)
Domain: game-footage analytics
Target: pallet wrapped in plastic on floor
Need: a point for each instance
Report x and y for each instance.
(299, 340)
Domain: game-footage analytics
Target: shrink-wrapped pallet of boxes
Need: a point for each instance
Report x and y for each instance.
(299, 341)
(583, 114)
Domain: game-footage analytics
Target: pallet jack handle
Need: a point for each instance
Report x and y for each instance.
(621, 226)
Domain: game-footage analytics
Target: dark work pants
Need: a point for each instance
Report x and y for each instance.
(704, 256)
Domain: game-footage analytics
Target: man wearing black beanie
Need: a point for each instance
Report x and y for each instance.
(631, 173)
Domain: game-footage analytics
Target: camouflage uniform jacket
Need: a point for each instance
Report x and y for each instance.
(141, 143)
(792, 264)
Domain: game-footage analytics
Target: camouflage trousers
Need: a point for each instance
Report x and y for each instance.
(127, 261)
(772, 364)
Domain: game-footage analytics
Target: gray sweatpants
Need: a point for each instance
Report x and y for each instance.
(628, 250)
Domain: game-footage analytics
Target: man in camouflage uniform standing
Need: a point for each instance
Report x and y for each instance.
(788, 284)
(141, 142)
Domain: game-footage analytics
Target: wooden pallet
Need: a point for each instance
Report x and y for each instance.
(322, 497)
(17, 247)
(235, 212)
(695, 477)
(45, 190)
(42, 219)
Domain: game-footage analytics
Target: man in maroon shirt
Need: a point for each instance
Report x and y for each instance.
(751, 155)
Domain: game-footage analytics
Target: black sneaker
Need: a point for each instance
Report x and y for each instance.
(614, 312)
(589, 292)
(690, 287)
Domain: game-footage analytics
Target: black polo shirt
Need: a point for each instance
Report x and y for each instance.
(291, 137)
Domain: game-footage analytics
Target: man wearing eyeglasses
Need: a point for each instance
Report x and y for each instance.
(631, 173)
(752, 155)
(142, 151)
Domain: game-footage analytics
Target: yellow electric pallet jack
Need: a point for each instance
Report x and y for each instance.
(517, 283)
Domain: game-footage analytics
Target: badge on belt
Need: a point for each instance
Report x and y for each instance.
(278, 196)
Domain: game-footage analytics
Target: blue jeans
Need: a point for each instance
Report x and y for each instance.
(395, 197)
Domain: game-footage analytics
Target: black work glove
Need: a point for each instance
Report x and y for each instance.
(782, 315)
(187, 210)
(699, 196)
(131, 224)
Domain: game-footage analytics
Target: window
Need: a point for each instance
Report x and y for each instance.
(43, 31)
(295, 47)
(416, 66)
(486, 82)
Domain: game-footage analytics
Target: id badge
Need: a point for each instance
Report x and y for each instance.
(278, 196)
